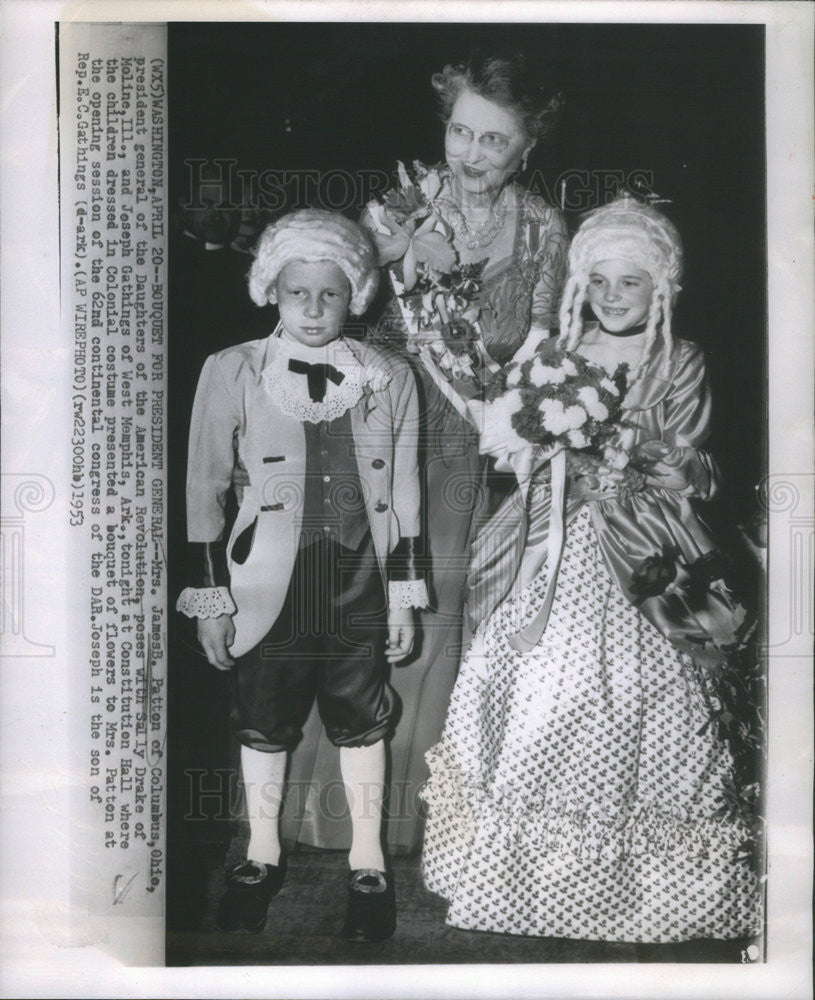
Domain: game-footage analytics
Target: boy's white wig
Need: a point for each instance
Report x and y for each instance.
(314, 234)
(625, 229)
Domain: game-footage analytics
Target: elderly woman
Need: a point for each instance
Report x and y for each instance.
(494, 114)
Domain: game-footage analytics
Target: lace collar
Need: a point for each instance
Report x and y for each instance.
(289, 390)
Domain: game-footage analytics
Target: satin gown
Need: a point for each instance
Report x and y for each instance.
(518, 290)
(579, 790)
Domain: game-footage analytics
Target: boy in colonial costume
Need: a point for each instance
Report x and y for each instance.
(312, 594)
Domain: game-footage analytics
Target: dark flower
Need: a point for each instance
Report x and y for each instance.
(526, 423)
(473, 272)
(459, 334)
(654, 574)
(620, 379)
(496, 386)
(713, 565)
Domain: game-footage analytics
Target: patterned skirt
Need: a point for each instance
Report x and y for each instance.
(576, 791)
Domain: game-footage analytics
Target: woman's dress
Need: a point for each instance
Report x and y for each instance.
(517, 291)
(577, 790)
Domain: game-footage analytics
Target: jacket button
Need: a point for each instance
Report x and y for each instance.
(378, 463)
(380, 507)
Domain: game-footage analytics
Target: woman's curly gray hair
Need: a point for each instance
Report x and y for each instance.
(506, 81)
(314, 234)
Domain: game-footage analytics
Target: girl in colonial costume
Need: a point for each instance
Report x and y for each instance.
(580, 789)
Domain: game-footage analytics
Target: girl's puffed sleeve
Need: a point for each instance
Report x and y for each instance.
(678, 461)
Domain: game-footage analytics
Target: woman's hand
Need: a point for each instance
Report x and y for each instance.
(215, 636)
(401, 633)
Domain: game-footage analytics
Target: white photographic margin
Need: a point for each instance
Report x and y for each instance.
(43, 953)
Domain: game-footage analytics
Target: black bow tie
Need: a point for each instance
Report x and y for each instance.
(317, 376)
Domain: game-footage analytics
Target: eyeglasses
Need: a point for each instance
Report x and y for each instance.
(461, 136)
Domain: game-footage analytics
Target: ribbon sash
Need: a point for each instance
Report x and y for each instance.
(550, 551)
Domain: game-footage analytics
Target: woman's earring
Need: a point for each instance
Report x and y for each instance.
(524, 159)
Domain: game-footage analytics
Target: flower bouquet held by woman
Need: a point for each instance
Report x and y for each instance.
(438, 295)
(584, 785)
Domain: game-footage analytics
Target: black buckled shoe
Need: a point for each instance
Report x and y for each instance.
(371, 906)
(250, 887)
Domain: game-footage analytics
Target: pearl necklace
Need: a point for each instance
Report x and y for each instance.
(479, 236)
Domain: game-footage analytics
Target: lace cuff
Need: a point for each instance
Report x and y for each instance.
(205, 602)
(407, 594)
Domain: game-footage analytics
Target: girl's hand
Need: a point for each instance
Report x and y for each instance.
(593, 478)
(215, 635)
(401, 633)
(676, 468)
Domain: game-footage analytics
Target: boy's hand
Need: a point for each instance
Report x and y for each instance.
(215, 635)
(401, 632)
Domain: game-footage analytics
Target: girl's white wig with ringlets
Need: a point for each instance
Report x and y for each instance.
(314, 234)
(625, 229)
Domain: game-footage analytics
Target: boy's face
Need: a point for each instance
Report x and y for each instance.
(619, 294)
(313, 300)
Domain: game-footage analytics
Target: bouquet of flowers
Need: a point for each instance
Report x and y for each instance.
(438, 296)
(556, 400)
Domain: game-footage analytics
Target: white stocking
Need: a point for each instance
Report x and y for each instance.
(363, 772)
(263, 777)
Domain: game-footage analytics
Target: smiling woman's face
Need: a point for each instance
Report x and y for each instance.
(484, 144)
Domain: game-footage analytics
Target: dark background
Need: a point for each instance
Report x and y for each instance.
(680, 104)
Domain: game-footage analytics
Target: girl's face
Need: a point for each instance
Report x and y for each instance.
(313, 300)
(619, 294)
(484, 144)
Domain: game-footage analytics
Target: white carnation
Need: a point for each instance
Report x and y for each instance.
(569, 366)
(554, 419)
(514, 375)
(589, 398)
(552, 407)
(575, 417)
(540, 374)
(577, 439)
(376, 379)
(558, 420)
(512, 401)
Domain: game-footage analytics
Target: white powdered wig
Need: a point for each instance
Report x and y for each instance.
(310, 235)
(625, 229)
